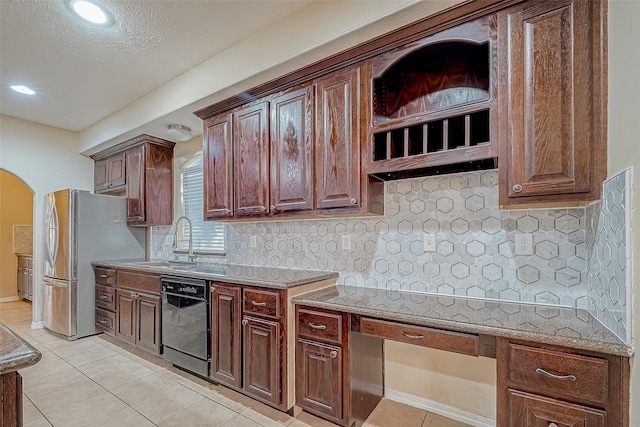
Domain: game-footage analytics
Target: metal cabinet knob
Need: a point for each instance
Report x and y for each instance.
(213, 289)
(333, 354)
(353, 201)
(244, 322)
(272, 207)
(517, 188)
(262, 209)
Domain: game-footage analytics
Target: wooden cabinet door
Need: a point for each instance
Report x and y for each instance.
(126, 318)
(148, 322)
(550, 98)
(251, 160)
(261, 367)
(100, 175)
(116, 172)
(292, 151)
(136, 184)
(537, 411)
(226, 334)
(319, 379)
(217, 168)
(338, 140)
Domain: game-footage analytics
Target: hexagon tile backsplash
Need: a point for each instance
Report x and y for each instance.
(475, 240)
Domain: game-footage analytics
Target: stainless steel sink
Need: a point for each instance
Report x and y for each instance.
(165, 264)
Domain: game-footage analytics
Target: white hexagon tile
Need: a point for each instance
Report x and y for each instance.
(475, 243)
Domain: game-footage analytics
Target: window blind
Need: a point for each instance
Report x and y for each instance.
(208, 237)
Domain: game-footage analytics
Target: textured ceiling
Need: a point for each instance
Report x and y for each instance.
(84, 73)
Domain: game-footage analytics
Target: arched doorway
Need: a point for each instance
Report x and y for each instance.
(16, 230)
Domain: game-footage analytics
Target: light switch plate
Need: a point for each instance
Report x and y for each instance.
(429, 242)
(524, 244)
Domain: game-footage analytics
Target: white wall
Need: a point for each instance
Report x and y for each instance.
(47, 159)
(624, 144)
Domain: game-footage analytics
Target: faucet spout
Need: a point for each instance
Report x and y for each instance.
(190, 256)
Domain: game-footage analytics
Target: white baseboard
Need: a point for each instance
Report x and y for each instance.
(439, 408)
(10, 299)
(37, 325)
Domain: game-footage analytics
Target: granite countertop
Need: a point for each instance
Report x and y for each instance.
(267, 277)
(563, 326)
(15, 353)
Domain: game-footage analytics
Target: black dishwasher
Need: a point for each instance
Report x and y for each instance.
(185, 323)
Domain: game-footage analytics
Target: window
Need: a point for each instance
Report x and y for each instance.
(208, 237)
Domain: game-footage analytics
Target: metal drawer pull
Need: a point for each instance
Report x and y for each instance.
(103, 321)
(259, 304)
(413, 337)
(104, 296)
(553, 425)
(104, 276)
(556, 377)
(317, 326)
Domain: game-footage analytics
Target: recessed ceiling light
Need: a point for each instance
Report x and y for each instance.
(23, 89)
(90, 12)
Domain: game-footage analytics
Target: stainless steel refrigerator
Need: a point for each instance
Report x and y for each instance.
(81, 227)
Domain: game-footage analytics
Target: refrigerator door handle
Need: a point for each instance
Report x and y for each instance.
(55, 283)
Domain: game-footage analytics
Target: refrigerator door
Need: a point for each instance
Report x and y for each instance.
(59, 230)
(60, 306)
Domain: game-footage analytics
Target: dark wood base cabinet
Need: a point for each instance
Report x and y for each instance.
(226, 334)
(339, 374)
(262, 355)
(138, 319)
(541, 385)
(11, 399)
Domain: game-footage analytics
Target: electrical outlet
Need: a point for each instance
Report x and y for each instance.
(253, 242)
(346, 242)
(429, 242)
(524, 244)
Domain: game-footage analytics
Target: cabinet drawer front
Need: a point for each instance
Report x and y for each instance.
(105, 276)
(456, 342)
(559, 374)
(106, 297)
(320, 326)
(105, 321)
(531, 410)
(263, 303)
(139, 282)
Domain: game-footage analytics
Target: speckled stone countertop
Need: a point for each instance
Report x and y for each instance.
(564, 326)
(267, 277)
(15, 353)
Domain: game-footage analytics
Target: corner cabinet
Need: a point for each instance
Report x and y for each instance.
(146, 166)
(552, 101)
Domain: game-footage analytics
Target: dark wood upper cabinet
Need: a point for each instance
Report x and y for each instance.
(146, 165)
(292, 151)
(226, 334)
(251, 160)
(338, 134)
(552, 102)
(218, 167)
(109, 174)
(433, 103)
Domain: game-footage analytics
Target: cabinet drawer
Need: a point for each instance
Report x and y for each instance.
(106, 297)
(559, 374)
(105, 321)
(456, 342)
(139, 282)
(320, 326)
(262, 303)
(530, 410)
(105, 276)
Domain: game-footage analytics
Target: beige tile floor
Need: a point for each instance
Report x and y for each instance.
(99, 382)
